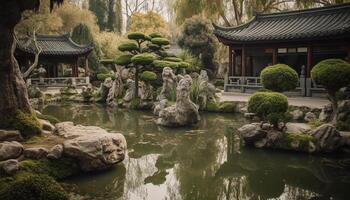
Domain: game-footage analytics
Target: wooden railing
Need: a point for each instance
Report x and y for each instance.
(59, 82)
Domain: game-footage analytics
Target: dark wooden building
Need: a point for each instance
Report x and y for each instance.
(56, 50)
(299, 39)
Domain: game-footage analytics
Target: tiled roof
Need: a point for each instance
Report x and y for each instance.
(61, 45)
(310, 24)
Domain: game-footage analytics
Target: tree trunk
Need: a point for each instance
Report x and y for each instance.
(136, 82)
(333, 99)
(13, 91)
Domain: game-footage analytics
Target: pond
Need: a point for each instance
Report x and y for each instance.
(202, 162)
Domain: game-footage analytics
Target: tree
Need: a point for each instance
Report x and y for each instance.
(82, 35)
(279, 78)
(36, 58)
(332, 74)
(119, 16)
(197, 37)
(13, 95)
(148, 23)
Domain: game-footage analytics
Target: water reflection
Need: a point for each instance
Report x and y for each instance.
(202, 162)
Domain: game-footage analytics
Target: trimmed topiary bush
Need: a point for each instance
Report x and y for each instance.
(143, 59)
(26, 186)
(279, 78)
(183, 65)
(128, 46)
(124, 59)
(103, 77)
(154, 47)
(27, 124)
(333, 74)
(163, 63)
(160, 41)
(173, 59)
(266, 103)
(148, 76)
(155, 35)
(136, 36)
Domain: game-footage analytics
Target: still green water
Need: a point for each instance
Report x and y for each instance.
(200, 163)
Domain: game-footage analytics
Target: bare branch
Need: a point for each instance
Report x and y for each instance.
(36, 59)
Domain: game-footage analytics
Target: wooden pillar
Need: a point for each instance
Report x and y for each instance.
(309, 62)
(75, 69)
(274, 56)
(243, 60)
(86, 66)
(230, 62)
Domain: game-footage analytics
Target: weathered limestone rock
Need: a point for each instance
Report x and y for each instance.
(184, 111)
(93, 147)
(35, 153)
(146, 92)
(248, 128)
(297, 114)
(297, 128)
(169, 84)
(87, 93)
(10, 167)
(46, 125)
(10, 150)
(329, 139)
(249, 115)
(55, 152)
(344, 110)
(130, 92)
(159, 106)
(310, 116)
(326, 113)
(104, 89)
(207, 91)
(116, 89)
(8, 135)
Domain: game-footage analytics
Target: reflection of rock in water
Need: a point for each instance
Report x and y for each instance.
(107, 185)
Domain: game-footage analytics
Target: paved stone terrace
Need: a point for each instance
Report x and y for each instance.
(312, 102)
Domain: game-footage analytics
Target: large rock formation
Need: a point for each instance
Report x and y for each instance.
(130, 92)
(104, 89)
(93, 147)
(184, 111)
(169, 84)
(295, 137)
(206, 90)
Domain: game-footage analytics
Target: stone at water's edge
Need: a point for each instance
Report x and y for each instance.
(328, 137)
(55, 152)
(10, 150)
(8, 135)
(93, 147)
(10, 167)
(35, 153)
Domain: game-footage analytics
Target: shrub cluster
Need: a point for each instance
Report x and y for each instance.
(279, 78)
(266, 103)
(148, 76)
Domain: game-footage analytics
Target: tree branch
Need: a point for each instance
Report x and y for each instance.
(36, 59)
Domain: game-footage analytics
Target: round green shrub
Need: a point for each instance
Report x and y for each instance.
(128, 46)
(332, 74)
(154, 47)
(148, 76)
(103, 77)
(173, 59)
(163, 63)
(266, 103)
(136, 36)
(155, 35)
(26, 123)
(143, 59)
(160, 41)
(124, 59)
(279, 78)
(184, 65)
(26, 186)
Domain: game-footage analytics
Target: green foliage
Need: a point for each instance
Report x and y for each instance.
(155, 35)
(124, 59)
(128, 46)
(266, 103)
(148, 76)
(194, 93)
(26, 123)
(276, 118)
(221, 107)
(58, 169)
(288, 139)
(49, 118)
(173, 59)
(135, 103)
(194, 62)
(136, 36)
(197, 37)
(26, 186)
(162, 64)
(279, 78)
(143, 59)
(103, 77)
(160, 41)
(102, 70)
(315, 123)
(154, 47)
(184, 65)
(333, 74)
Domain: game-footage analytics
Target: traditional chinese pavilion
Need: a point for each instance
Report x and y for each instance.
(299, 39)
(56, 49)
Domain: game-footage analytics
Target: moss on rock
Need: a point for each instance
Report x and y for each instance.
(49, 118)
(222, 107)
(296, 142)
(26, 123)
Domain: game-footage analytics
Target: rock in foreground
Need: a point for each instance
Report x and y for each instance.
(93, 147)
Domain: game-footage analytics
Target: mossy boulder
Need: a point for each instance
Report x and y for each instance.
(124, 59)
(155, 35)
(160, 64)
(296, 142)
(49, 118)
(333, 74)
(279, 78)
(173, 59)
(266, 103)
(160, 41)
(221, 107)
(143, 59)
(128, 46)
(148, 76)
(26, 123)
(136, 36)
(27, 186)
